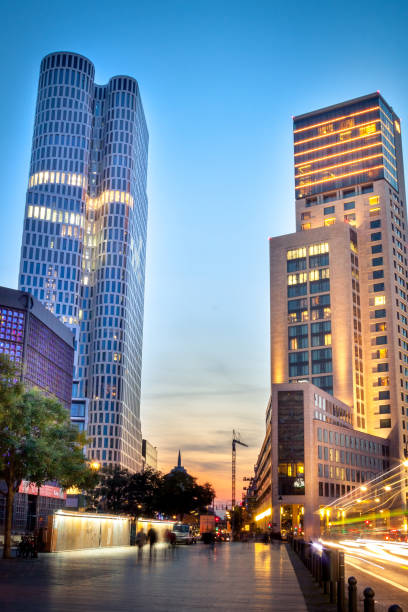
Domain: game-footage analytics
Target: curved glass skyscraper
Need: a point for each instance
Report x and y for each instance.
(84, 241)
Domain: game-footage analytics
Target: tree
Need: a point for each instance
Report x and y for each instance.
(111, 492)
(180, 494)
(148, 492)
(237, 520)
(143, 493)
(136, 494)
(58, 453)
(37, 443)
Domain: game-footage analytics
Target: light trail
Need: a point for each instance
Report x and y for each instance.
(378, 576)
(365, 561)
(396, 554)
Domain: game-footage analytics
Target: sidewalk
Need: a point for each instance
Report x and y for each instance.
(233, 576)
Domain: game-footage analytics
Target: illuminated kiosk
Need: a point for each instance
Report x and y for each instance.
(80, 530)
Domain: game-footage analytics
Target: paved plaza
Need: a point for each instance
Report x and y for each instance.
(232, 576)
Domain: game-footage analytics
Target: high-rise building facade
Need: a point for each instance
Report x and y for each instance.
(339, 318)
(312, 318)
(349, 171)
(84, 241)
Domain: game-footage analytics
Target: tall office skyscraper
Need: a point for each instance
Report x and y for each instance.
(338, 413)
(344, 318)
(84, 241)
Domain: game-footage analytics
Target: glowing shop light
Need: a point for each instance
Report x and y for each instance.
(267, 512)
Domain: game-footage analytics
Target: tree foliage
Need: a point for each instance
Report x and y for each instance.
(180, 494)
(37, 442)
(149, 492)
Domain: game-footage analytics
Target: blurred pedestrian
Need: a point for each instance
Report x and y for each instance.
(140, 540)
(152, 538)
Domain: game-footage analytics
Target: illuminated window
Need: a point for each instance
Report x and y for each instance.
(41, 212)
(41, 178)
(319, 274)
(366, 130)
(347, 123)
(306, 226)
(296, 279)
(345, 135)
(374, 200)
(382, 353)
(379, 300)
(318, 249)
(374, 212)
(379, 327)
(304, 168)
(296, 253)
(305, 215)
(330, 221)
(325, 129)
(383, 381)
(350, 218)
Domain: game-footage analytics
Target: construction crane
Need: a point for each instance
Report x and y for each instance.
(236, 439)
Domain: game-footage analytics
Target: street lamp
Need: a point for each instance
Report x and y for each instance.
(95, 466)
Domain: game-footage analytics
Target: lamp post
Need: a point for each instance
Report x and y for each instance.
(95, 466)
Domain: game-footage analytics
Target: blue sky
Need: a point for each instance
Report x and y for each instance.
(220, 82)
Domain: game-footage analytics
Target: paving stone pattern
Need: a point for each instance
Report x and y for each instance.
(232, 576)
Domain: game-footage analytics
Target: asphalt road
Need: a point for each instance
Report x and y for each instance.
(388, 580)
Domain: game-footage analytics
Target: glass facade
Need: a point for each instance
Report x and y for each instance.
(348, 458)
(84, 240)
(344, 146)
(12, 323)
(31, 338)
(291, 451)
(314, 312)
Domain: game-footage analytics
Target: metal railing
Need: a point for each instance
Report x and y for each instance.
(327, 568)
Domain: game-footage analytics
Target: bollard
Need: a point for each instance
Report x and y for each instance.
(395, 608)
(340, 582)
(325, 569)
(334, 574)
(352, 594)
(368, 599)
(307, 555)
(319, 570)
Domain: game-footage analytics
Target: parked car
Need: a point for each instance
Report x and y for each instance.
(184, 533)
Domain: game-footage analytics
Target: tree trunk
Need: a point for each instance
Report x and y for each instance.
(37, 508)
(9, 521)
